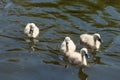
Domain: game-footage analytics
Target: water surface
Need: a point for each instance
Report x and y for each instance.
(57, 19)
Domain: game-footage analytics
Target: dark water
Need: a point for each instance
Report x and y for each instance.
(57, 19)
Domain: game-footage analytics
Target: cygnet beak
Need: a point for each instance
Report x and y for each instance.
(87, 56)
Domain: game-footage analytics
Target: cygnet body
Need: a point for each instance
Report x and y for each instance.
(78, 58)
(68, 45)
(31, 30)
(91, 41)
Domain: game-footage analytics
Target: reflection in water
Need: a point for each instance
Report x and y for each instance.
(96, 59)
(13, 60)
(51, 62)
(81, 74)
(32, 44)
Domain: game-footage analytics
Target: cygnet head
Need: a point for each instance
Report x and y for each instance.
(33, 24)
(67, 39)
(97, 37)
(84, 51)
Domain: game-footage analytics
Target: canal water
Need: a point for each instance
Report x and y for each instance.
(57, 19)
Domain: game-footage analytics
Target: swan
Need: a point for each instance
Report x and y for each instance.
(68, 42)
(91, 41)
(78, 58)
(31, 30)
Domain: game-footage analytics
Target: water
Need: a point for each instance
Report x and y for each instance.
(57, 19)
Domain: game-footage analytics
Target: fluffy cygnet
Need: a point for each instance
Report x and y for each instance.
(31, 30)
(68, 45)
(78, 58)
(91, 41)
